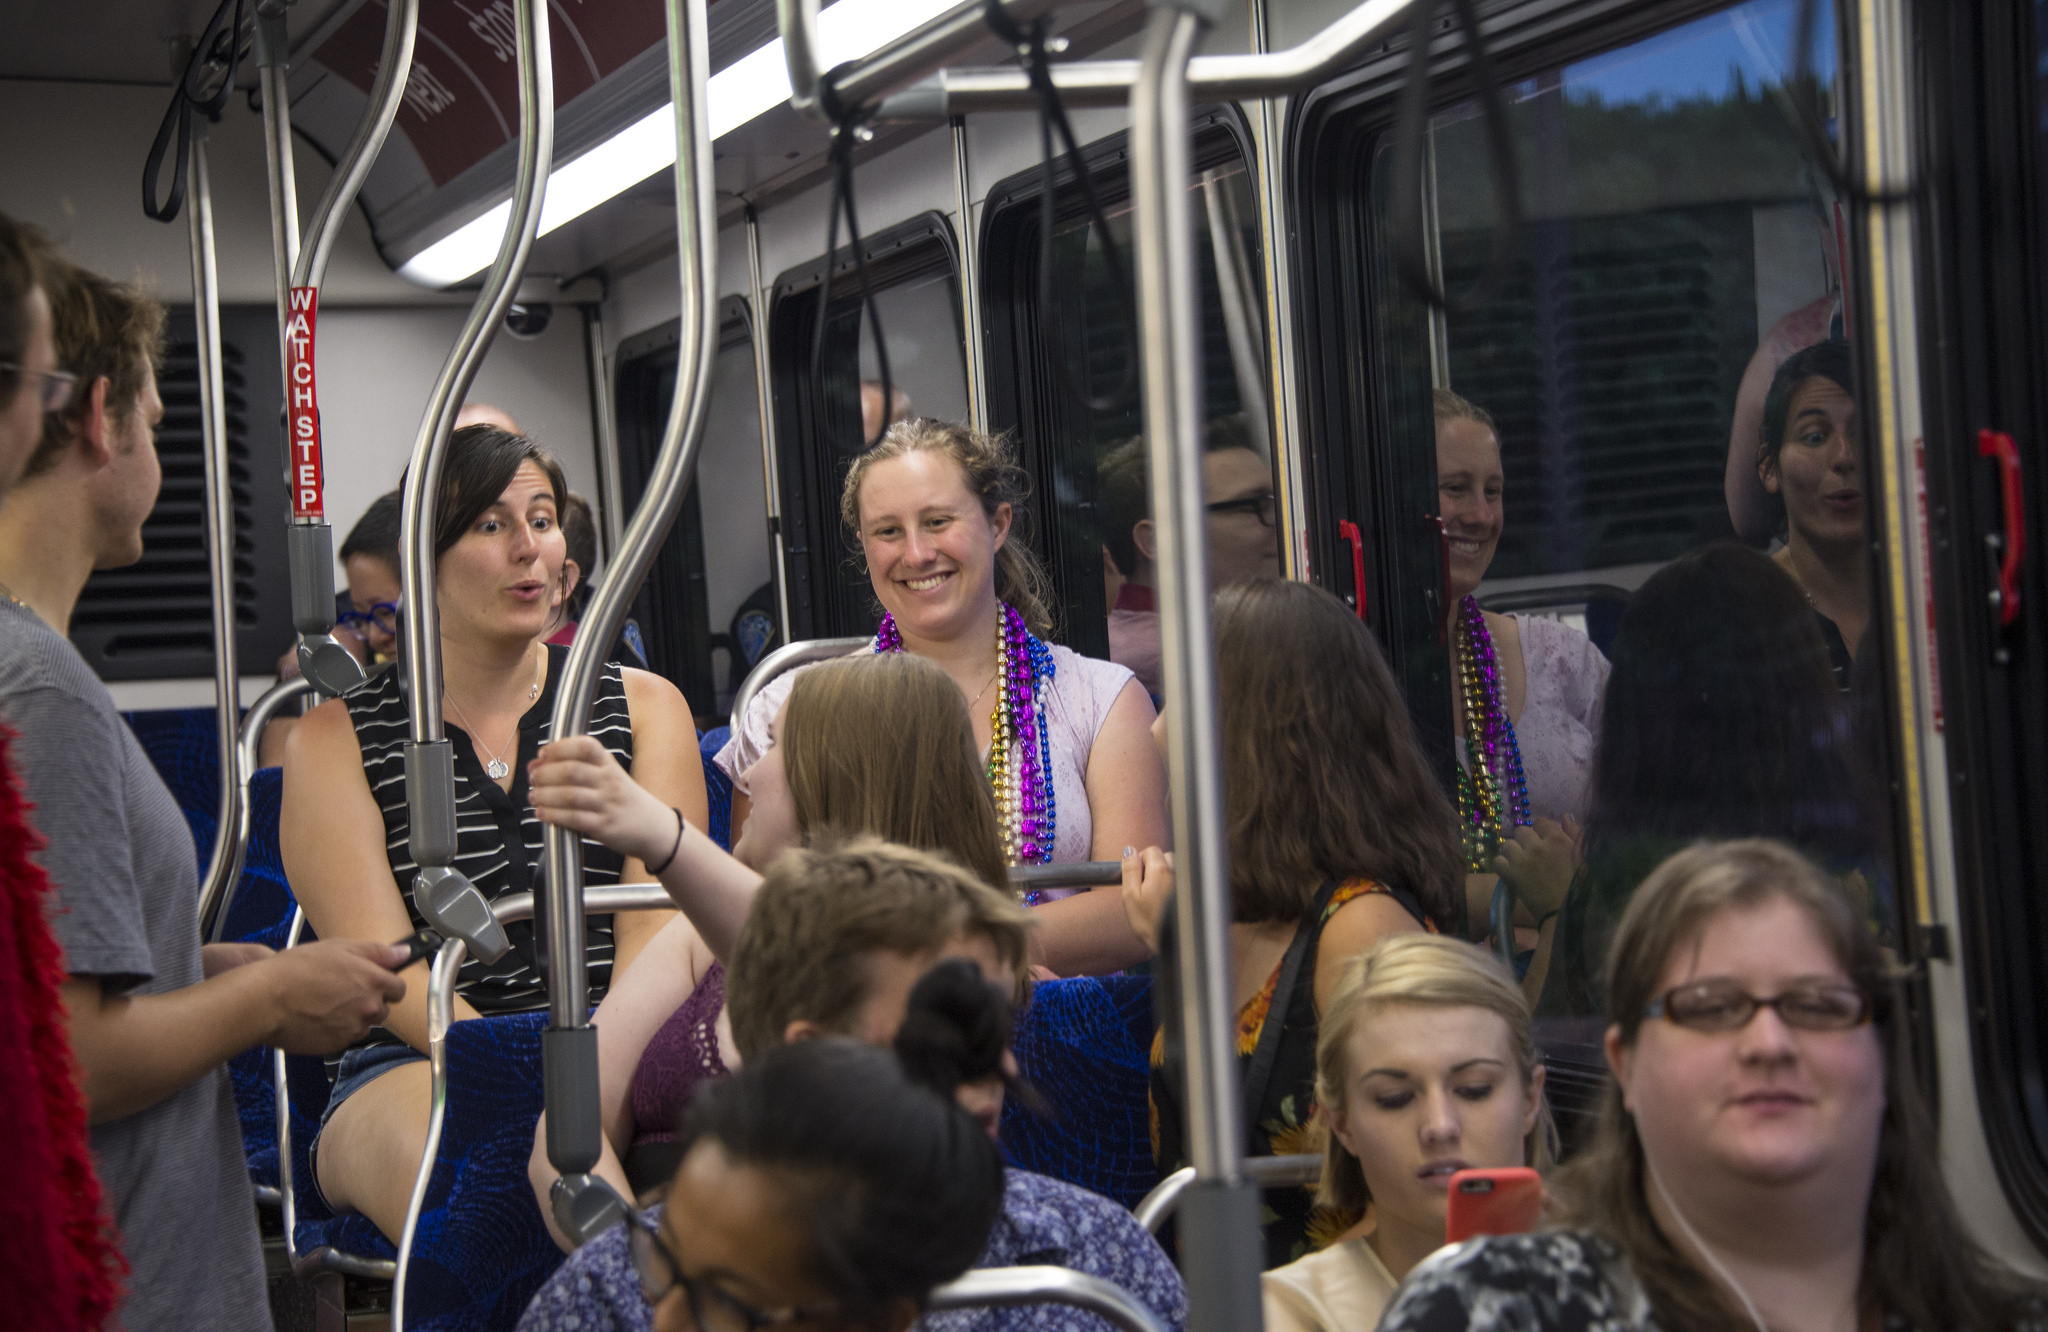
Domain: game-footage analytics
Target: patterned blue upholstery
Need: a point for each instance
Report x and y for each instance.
(717, 785)
(1085, 1044)
(185, 748)
(482, 1249)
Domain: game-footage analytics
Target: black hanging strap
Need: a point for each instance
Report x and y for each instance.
(841, 158)
(220, 47)
(1259, 1073)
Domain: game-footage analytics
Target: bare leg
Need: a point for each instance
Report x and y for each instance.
(370, 1150)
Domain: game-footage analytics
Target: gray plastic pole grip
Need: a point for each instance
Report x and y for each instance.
(430, 801)
(309, 548)
(1221, 1253)
(456, 907)
(569, 1077)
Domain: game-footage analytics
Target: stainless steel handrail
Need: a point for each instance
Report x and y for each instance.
(245, 758)
(443, 894)
(225, 865)
(309, 539)
(441, 979)
(783, 660)
(1268, 1172)
(423, 473)
(387, 95)
(1215, 78)
(879, 73)
(764, 393)
(1047, 1285)
(583, 1203)
(272, 51)
(1066, 874)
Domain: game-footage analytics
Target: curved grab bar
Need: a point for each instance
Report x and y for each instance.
(785, 659)
(1213, 78)
(822, 94)
(1268, 1172)
(583, 1204)
(1066, 874)
(246, 760)
(444, 896)
(224, 867)
(423, 473)
(387, 95)
(441, 980)
(1047, 1285)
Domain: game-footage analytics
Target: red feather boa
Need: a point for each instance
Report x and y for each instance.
(63, 1269)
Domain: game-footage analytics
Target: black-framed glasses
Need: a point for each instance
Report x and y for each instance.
(712, 1309)
(1726, 1006)
(56, 386)
(383, 615)
(1261, 506)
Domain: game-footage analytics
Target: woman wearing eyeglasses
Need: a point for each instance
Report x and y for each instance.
(1764, 1159)
(1525, 696)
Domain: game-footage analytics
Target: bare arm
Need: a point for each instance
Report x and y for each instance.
(332, 836)
(1357, 926)
(578, 785)
(632, 1012)
(134, 1052)
(666, 763)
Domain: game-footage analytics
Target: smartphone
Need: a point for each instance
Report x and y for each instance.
(1506, 1200)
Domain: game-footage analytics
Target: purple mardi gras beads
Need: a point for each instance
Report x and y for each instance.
(1502, 755)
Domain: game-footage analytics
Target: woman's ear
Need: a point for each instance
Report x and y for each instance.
(571, 576)
(999, 522)
(1333, 1123)
(1620, 1061)
(1767, 472)
(1530, 1115)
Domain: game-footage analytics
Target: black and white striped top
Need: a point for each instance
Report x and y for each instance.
(489, 820)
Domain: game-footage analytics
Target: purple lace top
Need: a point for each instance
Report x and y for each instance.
(683, 1054)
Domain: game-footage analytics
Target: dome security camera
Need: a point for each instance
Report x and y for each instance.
(528, 320)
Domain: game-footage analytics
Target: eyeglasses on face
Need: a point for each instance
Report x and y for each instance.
(712, 1309)
(1726, 1006)
(383, 615)
(56, 384)
(1263, 506)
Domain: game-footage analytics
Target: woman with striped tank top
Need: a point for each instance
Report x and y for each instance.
(499, 583)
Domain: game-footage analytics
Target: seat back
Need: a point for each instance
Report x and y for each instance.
(717, 786)
(261, 912)
(1085, 1044)
(184, 746)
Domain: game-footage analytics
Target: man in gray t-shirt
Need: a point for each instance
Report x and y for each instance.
(153, 1015)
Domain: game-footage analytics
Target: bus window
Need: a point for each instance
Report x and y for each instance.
(1642, 429)
(823, 420)
(1075, 399)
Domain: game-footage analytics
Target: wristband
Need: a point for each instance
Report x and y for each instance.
(670, 858)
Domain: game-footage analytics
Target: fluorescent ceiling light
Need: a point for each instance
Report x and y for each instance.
(743, 90)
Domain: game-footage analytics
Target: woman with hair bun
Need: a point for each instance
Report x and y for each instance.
(936, 509)
(1426, 1064)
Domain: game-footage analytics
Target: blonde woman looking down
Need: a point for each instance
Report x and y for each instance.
(1426, 1064)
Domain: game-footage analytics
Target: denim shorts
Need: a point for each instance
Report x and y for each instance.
(359, 1068)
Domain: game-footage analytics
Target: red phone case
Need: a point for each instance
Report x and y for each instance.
(1505, 1200)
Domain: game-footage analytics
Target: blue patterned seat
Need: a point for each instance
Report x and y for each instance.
(1085, 1044)
(482, 1249)
(717, 785)
(185, 748)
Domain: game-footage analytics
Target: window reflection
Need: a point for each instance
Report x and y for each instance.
(1649, 481)
(1101, 452)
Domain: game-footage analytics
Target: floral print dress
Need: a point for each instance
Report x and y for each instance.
(1283, 1123)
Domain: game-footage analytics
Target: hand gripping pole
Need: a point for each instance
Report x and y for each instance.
(441, 893)
(309, 541)
(582, 1204)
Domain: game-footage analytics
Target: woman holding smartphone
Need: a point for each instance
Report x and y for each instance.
(1426, 1065)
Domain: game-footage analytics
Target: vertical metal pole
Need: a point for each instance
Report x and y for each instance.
(226, 864)
(1219, 1231)
(970, 281)
(764, 387)
(1240, 320)
(272, 73)
(443, 895)
(604, 416)
(1433, 257)
(582, 1204)
(1289, 475)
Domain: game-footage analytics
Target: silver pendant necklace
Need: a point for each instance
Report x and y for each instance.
(497, 768)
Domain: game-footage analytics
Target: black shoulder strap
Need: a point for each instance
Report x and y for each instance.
(1260, 1071)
